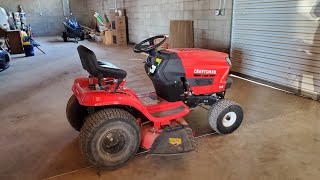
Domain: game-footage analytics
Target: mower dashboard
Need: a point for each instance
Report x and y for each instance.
(154, 61)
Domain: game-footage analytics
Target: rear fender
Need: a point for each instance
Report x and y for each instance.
(123, 97)
(103, 98)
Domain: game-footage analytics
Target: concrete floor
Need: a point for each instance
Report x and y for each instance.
(279, 138)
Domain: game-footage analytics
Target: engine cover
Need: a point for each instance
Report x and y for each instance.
(205, 71)
(167, 77)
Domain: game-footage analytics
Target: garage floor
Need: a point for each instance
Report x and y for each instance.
(279, 138)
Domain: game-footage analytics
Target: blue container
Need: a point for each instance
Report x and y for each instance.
(28, 50)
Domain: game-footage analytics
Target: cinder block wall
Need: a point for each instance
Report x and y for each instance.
(145, 17)
(151, 17)
(148, 17)
(79, 8)
(50, 22)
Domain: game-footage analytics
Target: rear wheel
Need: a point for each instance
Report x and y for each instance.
(82, 37)
(225, 116)
(64, 36)
(109, 138)
(76, 113)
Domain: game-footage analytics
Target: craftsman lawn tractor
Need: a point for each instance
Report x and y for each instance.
(114, 122)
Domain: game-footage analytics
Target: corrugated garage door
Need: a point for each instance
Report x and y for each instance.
(278, 41)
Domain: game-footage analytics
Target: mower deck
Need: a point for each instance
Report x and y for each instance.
(175, 138)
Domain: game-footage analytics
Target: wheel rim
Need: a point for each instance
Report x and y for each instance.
(113, 142)
(229, 119)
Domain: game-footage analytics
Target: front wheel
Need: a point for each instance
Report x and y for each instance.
(225, 116)
(109, 138)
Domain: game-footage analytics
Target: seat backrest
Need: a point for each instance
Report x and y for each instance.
(89, 61)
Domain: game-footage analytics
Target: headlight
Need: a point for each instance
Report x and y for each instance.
(229, 61)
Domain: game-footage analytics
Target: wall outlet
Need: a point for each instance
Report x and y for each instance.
(220, 12)
(217, 12)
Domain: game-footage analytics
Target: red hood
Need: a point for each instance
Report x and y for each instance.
(194, 56)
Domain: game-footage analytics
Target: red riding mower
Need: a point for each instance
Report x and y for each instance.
(114, 122)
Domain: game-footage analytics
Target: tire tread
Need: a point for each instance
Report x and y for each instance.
(215, 111)
(95, 120)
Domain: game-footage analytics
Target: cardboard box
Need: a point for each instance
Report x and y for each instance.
(119, 32)
(119, 41)
(124, 31)
(119, 38)
(119, 23)
(107, 38)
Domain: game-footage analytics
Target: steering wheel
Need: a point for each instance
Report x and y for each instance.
(151, 47)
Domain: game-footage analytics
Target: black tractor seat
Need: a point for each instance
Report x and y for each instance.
(99, 69)
(106, 64)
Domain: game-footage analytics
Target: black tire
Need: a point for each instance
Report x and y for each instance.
(225, 116)
(109, 138)
(82, 37)
(7, 58)
(6, 64)
(64, 36)
(76, 113)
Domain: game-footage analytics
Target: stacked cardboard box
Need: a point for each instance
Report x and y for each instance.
(119, 27)
(107, 37)
(119, 31)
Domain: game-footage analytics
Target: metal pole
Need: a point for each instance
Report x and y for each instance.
(39, 4)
